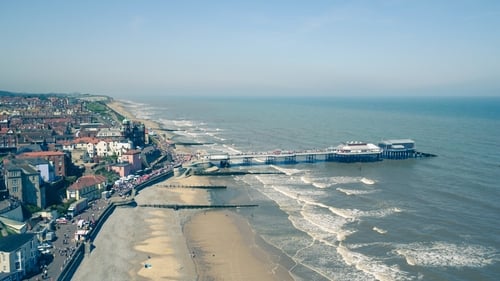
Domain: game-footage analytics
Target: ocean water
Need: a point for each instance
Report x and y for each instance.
(415, 219)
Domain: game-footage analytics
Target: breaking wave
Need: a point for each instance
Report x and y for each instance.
(443, 254)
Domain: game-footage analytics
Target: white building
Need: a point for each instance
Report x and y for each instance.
(19, 254)
(109, 133)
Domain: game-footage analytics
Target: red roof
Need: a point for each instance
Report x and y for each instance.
(42, 154)
(87, 140)
(87, 181)
(132, 152)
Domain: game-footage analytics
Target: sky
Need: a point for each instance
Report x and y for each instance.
(251, 48)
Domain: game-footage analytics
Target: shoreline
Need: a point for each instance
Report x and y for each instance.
(160, 244)
(232, 250)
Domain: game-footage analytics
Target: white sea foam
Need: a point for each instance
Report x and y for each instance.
(330, 229)
(443, 254)
(219, 138)
(176, 124)
(320, 185)
(144, 115)
(231, 149)
(371, 266)
(379, 230)
(343, 180)
(133, 104)
(326, 225)
(183, 123)
(345, 213)
(379, 213)
(355, 191)
(288, 172)
(367, 181)
(331, 181)
(306, 180)
(371, 244)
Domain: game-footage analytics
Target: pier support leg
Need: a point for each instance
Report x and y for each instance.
(311, 158)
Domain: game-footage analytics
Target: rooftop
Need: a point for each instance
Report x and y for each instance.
(397, 141)
(42, 153)
(87, 181)
(132, 152)
(13, 242)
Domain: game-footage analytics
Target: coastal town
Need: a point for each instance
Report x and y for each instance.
(74, 203)
(66, 159)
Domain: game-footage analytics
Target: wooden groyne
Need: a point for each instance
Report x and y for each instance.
(237, 173)
(192, 143)
(195, 186)
(178, 207)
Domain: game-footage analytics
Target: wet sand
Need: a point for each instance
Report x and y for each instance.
(225, 248)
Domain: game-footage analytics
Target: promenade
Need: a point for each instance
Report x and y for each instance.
(65, 245)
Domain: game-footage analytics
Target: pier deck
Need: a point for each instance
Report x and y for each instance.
(308, 156)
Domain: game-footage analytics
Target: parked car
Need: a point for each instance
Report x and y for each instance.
(62, 220)
(46, 245)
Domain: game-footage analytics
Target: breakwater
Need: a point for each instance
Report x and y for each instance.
(195, 186)
(178, 207)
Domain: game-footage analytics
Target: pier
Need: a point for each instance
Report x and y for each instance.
(347, 152)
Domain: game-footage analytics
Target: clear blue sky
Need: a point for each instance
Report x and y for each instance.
(120, 48)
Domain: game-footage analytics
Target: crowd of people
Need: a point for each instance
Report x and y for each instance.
(124, 186)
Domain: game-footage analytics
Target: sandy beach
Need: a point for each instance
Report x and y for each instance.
(225, 248)
(162, 244)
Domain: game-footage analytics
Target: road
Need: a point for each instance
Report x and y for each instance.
(65, 243)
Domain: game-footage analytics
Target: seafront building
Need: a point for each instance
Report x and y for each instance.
(59, 160)
(89, 186)
(398, 148)
(47, 141)
(23, 182)
(18, 256)
(357, 151)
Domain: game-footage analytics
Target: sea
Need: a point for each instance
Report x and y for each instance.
(435, 218)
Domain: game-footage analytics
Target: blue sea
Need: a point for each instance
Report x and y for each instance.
(417, 219)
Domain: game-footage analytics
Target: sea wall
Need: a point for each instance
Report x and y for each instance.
(75, 260)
